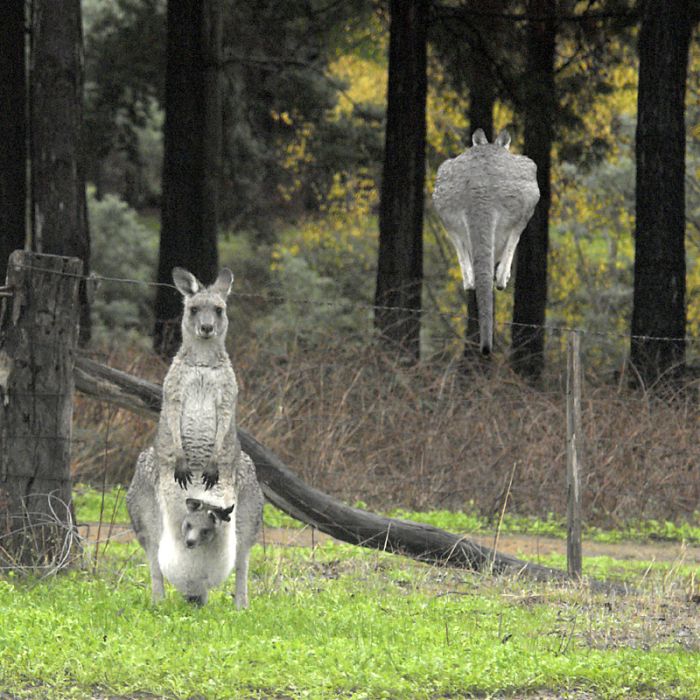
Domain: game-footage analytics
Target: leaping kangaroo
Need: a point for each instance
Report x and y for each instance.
(485, 197)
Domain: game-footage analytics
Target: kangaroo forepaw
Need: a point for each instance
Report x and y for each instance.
(210, 479)
(183, 476)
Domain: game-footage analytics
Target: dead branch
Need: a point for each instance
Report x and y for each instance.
(289, 493)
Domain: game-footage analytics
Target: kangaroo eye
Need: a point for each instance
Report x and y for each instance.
(219, 310)
(193, 310)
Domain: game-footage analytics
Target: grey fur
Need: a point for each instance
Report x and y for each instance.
(197, 427)
(195, 549)
(188, 537)
(485, 197)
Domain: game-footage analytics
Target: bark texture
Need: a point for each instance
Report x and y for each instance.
(400, 259)
(59, 213)
(192, 157)
(539, 105)
(38, 332)
(13, 132)
(659, 309)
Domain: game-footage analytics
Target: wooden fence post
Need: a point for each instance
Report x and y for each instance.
(38, 332)
(574, 454)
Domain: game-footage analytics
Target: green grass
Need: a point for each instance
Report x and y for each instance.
(89, 505)
(337, 621)
(553, 526)
(93, 505)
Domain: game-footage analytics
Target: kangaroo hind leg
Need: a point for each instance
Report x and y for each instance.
(505, 260)
(248, 521)
(157, 586)
(463, 245)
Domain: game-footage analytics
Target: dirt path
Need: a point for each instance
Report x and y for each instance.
(518, 545)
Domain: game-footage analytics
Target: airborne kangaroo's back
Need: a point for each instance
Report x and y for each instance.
(485, 197)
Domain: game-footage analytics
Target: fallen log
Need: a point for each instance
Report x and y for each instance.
(284, 489)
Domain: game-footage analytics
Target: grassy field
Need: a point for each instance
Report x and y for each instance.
(337, 621)
(94, 505)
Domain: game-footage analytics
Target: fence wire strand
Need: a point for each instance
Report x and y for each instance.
(436, 446)
(273, 298)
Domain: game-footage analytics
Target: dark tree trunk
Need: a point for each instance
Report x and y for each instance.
(59, 208)
(192, 153)
(400, 259)
(13, 133)
(482, 97)
(659, 267)
(539, 108)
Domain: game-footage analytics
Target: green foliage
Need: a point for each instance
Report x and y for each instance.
(279, 134)
(336, 621)
(311, 309)
(323, 270)
(273, 517)
(122, 248)
(124, 86)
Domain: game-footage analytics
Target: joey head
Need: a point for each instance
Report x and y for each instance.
(200, 524)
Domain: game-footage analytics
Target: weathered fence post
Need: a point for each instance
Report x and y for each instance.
(574, 454)
(38, 331)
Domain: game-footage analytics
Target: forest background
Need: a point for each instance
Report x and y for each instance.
(305, 98)
(301, 86)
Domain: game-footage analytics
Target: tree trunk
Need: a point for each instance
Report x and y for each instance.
(38, 331)
(13, 133)
(540, 107)
(289, 493)
(659, 266)
(59, 209)
(400, 258)
(482, 98)
(191, 160)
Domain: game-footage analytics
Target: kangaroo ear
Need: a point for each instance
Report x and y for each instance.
(223, 282)
(503, 139)
(186, 283)
(193, 504)
(479, 138)
(223, 513)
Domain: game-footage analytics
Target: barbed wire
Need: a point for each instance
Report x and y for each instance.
(34, 524)
(276, 298)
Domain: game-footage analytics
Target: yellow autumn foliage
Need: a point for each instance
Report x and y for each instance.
(591, 219)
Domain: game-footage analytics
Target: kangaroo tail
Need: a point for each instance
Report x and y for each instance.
(483, 279)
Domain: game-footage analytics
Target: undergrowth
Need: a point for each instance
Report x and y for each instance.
(355, 423)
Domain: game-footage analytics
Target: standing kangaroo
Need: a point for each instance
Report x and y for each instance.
(191, 540)
(485, 197)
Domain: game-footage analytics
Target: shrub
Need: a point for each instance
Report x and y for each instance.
(122, 248)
